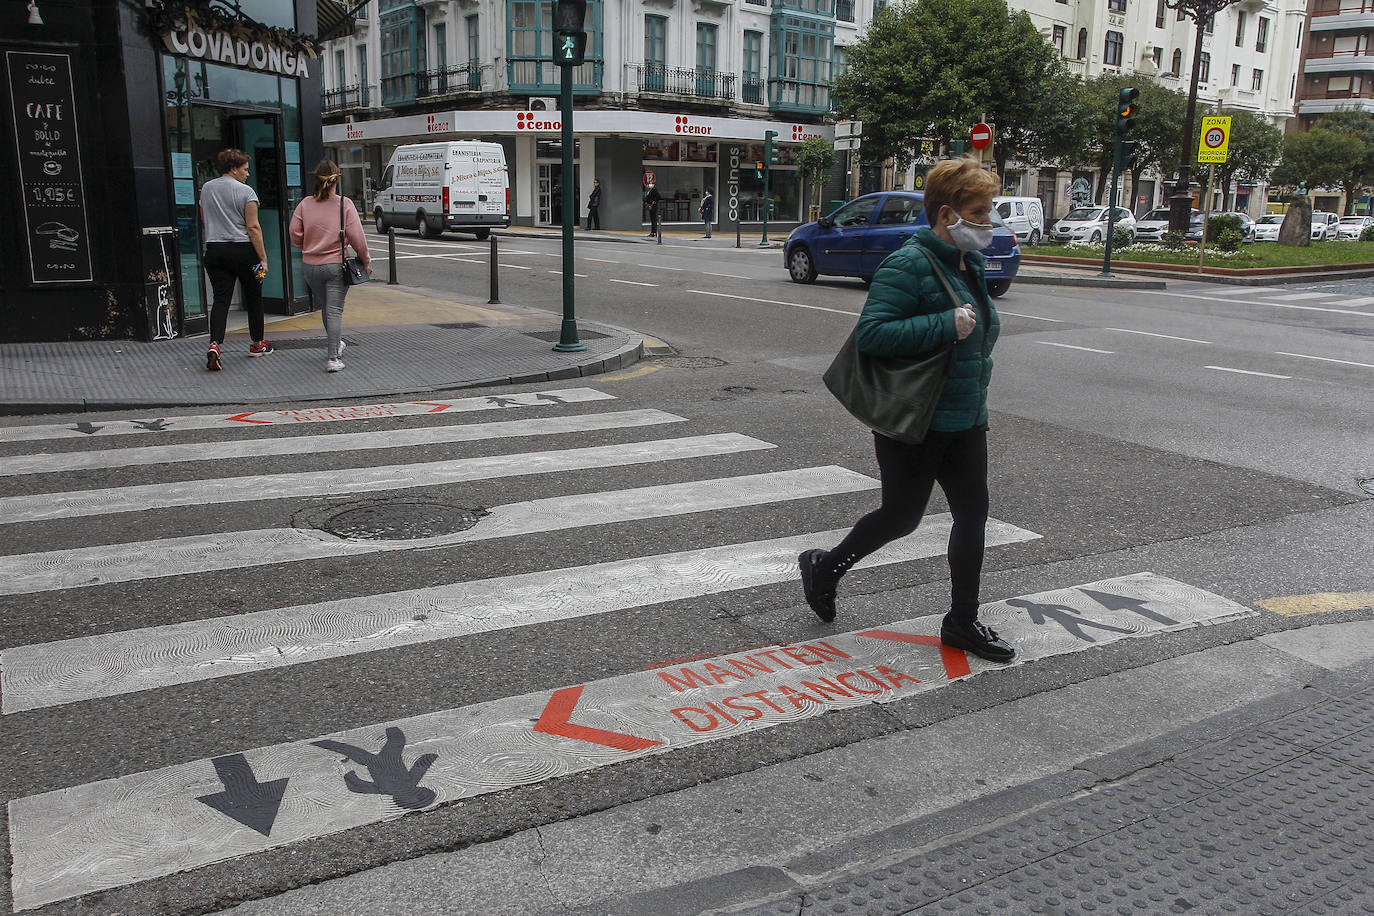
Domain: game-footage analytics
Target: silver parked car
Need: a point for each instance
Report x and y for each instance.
(1350, 227)
(1152, 226)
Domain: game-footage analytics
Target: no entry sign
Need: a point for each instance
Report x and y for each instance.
(980, 136)
(1216, 138)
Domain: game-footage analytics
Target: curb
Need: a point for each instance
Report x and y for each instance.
(1257, 276)
(1101, 282)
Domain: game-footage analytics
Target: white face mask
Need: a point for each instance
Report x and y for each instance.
(970, 236)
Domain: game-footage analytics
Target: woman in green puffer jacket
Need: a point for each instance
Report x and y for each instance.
(908, 313)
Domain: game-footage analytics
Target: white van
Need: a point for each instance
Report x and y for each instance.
(1023, 215)
(430, 187)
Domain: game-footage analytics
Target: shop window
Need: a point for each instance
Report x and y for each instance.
(1111, 49)
(1262, 34)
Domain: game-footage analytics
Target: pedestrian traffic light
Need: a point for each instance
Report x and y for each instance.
(758, 169)
(569, 40)
(770, 147)
(1126, 109)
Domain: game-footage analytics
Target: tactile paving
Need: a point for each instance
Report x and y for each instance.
(1225, 762)
(1355, 750)
(1318, 725)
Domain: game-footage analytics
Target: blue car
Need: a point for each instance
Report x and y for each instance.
(852, 241)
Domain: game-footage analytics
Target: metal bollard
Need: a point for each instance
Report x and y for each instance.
(391, 255)
(495, 286)
(660, 230)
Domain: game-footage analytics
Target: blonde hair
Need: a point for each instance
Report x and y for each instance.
(326, 177)
(956, 183)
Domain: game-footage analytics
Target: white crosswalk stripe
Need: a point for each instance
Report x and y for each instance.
(67, 675)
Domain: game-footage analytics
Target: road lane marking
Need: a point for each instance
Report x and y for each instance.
(629, 282)
(26, 574)
(1318, 603)
(1297, 297)
(1001, 311)
(105, 834)
(560, 273)
(1247, 372)
(1165, 336)
(732, 276)
(1249, 290)
(1050, 343)
(602, 260)
(1277, 305)
(1326, 359)
(633, 373)
(84, 503)
(256, 418)
(45, 463)
(795, 305)
(659, 267)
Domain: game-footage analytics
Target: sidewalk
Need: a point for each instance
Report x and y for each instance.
(401, 340)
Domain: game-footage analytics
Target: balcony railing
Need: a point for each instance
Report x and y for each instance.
(450, 80)
(1344, 9)
(1337, 94)
(691, 82)
(1327, 55)
(536, 76)
(751, 90)
(333, 100)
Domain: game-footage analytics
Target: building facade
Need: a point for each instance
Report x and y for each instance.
(115, 114)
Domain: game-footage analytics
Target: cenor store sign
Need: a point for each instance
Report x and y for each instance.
(45, 141)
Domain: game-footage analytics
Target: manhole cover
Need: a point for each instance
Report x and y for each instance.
(686, 362)
(397, 520)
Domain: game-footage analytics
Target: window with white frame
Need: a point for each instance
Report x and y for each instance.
(1060, 33)
(1159, 14)
(1240, 28)
(1157, 57)
(1082, 44)
(1111, 49)
(1257, 80)
(1116, 6)
(1177, 63)
(706, 46)
(1262, 34)
(1235, 74)
(1205, 70)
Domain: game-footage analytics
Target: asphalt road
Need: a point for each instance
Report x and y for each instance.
(1215, 435)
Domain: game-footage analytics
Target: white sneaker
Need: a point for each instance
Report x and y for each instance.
(333, 365)
(343, 344)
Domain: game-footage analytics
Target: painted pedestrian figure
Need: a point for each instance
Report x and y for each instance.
(1070, 619)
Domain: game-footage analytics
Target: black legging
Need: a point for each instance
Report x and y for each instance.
(959, 463)
(228, 263)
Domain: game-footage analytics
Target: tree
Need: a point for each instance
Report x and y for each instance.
(1319, 157)
(815, 159)
(1253, 151)
(1159, 112)
(1358, 173)
(933, 68)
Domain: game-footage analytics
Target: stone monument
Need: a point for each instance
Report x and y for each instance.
(1296, 230)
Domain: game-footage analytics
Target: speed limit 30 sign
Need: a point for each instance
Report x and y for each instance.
(1215, 140)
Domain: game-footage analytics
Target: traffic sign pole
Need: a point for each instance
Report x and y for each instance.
(1206, 215)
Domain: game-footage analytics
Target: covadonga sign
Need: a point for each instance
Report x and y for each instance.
(189, 39)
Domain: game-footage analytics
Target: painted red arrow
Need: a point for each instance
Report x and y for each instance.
(240, 418)
(437, 407)
(955, 661)
(554, 721)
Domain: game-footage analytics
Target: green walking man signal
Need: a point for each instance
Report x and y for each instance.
(569, 40)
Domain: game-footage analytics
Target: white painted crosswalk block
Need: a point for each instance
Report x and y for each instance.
(106, 834)
(111, 664)
(257, 419)
(81, 503)
(22, 574)
(49, 463)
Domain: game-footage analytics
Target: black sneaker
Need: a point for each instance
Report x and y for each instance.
(821, 601)
(978, 638)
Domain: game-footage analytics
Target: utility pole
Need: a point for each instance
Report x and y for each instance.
(569, 50)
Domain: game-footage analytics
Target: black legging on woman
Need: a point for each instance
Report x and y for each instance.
(958, 462)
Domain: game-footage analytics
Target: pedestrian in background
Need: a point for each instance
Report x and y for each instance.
(651, 199)
(594, 206)
(234, 252)
(909, 313)
(315, 230)
(708, 211)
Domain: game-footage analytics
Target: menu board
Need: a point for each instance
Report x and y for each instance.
(45, 141)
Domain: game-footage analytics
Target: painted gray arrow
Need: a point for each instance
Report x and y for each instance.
(22, 574)
(253, 804)
(111, 664)
(106, 834)
(259, 418)
(82, 503)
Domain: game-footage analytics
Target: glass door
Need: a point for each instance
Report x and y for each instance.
(259, 136)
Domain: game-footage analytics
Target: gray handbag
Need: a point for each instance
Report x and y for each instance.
(893, 395)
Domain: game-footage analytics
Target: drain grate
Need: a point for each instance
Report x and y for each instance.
(685, 362)
(392, 519)
(555, 336)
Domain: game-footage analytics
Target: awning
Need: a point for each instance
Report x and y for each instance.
(335, 18)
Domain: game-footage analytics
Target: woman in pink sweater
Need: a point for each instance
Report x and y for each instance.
(315, 231)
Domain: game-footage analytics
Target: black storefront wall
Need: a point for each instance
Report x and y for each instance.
(119, 106)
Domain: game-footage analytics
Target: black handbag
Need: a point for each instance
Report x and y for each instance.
(354, 272)
(893, 395)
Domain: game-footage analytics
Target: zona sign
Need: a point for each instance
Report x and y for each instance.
(1215, 139)
(980, 136)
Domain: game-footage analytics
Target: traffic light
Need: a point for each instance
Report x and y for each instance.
(758, 169)
(770, 147)
(569, 40)
(1126, 109)
(1125, 154)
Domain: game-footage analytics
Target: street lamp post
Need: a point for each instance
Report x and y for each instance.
(1181, 202)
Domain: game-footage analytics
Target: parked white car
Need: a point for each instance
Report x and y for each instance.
(1152, 226)
(1089, 224)
(1324, 225)
(1350, 227)
(1267, 227)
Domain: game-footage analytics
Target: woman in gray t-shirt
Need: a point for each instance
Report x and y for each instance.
(234, 252)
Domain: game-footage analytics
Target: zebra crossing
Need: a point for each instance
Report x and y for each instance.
(69, 840)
